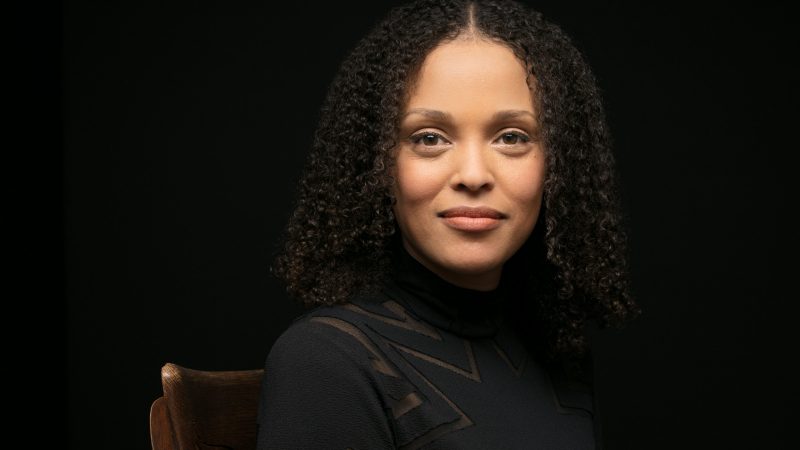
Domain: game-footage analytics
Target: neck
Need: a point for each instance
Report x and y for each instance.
(482, 281)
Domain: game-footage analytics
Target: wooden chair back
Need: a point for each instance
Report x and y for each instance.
(204, 410)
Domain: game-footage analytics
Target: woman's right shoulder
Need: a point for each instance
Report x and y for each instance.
(316, 369)
(325, 335)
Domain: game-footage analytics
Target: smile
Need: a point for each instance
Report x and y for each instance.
(466, 218)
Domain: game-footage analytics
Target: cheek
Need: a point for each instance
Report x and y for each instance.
(526, 183)
(416, 182)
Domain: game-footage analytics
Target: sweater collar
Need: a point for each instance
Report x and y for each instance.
(462, 311)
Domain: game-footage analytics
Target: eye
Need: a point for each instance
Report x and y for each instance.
(514, 138)
(427, 138)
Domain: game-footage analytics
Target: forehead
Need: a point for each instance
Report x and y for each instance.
(469, 74)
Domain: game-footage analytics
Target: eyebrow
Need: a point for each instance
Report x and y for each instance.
(445, 116)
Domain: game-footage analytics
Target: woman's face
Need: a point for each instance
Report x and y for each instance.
(469, 165)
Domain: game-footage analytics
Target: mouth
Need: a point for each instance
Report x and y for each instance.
(479, 212)
(474, 219)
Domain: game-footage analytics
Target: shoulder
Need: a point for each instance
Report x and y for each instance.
(316, 373)
(347, 344)
(331, 337)
(309, 340)
(342, 326)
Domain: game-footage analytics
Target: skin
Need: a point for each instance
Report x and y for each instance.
(477, 160)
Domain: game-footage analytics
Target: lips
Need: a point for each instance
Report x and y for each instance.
(472, 219)
(476, 212)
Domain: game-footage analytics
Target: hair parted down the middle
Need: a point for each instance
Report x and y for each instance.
(338, 237)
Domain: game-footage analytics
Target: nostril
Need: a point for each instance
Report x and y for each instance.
(462, 186)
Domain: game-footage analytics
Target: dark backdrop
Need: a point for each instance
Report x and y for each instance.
(185, 128)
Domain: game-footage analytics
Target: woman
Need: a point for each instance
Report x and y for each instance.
(457, 226)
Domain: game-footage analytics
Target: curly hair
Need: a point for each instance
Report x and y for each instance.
(337, 241)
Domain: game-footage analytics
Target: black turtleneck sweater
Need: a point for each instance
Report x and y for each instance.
(424, 364)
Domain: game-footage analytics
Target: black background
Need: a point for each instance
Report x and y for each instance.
(184, 128)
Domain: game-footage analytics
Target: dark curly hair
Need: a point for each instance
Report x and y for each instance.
(337, 241)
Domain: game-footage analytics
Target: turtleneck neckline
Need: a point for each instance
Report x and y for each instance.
(462, 311)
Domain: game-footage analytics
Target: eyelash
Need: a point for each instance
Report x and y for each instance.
(415, 139)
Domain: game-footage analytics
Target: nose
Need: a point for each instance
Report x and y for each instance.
(472, 171)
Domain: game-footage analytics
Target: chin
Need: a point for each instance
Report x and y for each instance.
(477, 263)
